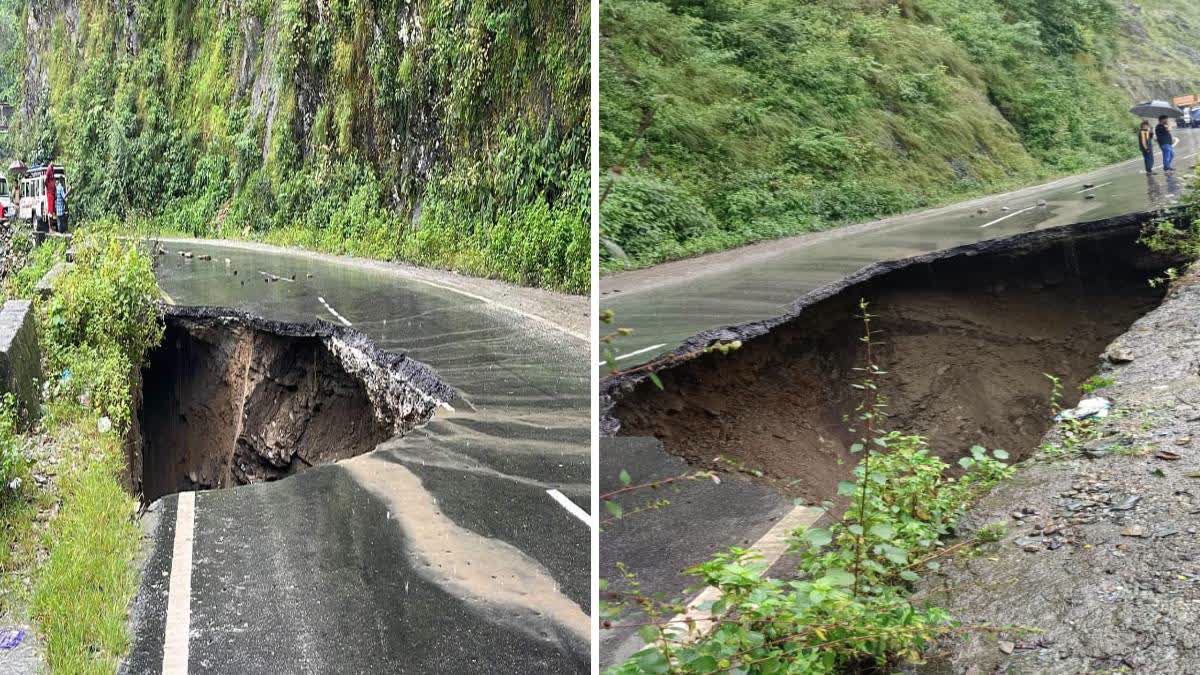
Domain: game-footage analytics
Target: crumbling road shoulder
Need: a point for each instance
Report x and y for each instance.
(1100, 568)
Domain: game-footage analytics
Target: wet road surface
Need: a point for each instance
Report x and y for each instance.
(443, 551)
(666, 305)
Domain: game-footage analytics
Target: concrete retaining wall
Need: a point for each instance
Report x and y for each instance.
(20, 359)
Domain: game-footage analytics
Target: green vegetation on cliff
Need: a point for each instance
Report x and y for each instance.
(728, 121)
(448, 133)
(1158, 56)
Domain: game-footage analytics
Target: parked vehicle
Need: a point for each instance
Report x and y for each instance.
(7, 209)
(37, 203)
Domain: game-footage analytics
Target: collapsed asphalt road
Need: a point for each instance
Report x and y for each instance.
(668, 303)
(462, 546)
(967, 335)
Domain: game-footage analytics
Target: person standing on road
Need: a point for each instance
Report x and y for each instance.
(60, 206)
(48, 182)
(1146, 144)
(1162, 133)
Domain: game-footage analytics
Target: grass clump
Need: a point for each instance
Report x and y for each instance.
(82, 591)
(35, 263)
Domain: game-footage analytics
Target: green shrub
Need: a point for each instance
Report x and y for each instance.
(843, 611)
(101, 322)
(13, 465)
(98, 379)
(651, 217)
(105, 302)
(40, 261)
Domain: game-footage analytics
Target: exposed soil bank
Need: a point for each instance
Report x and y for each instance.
(1101, 564)
(967, 336)
(230, 399)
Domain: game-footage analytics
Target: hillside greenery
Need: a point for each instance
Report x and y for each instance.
(729, 121)
(449, 133)
(1158, 56)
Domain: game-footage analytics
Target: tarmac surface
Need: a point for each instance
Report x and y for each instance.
(666, 304)
(442, 551)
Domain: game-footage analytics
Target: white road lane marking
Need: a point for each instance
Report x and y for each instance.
(571, 507)
(1094, 187)
(179, 595)
(640, 351)
(334, 312)
(771, 546)
(1006, 217)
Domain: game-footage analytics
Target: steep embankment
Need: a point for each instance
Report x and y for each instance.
(444, 132)
(1158, 55)
(725, 122)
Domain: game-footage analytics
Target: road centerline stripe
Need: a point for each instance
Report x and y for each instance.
(635, 353)
(570, 506)
(1094, 187)
(179, 594)
(1006, 217)
(334, 312)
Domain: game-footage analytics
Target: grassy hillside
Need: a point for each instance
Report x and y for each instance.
(1158, 54)
(727, 121)
(445, 132)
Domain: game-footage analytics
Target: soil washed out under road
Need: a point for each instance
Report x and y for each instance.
(966, 338)
(230, 399)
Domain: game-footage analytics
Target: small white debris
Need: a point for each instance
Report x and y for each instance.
(15, 484)
(1093, 406)
(104, 425)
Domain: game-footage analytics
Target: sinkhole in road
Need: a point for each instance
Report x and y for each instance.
(965, 337)
(229, 399)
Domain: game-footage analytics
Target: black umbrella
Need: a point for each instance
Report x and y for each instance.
(1155, 109)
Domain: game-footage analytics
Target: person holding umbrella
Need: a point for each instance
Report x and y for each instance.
(1162, 133)
(1146, 145)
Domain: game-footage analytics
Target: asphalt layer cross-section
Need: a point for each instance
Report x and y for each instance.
(441, 551)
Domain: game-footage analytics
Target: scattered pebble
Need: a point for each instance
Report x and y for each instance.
(1134, 531)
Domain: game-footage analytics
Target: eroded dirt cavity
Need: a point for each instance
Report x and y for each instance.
(965, 337)
(229, 400)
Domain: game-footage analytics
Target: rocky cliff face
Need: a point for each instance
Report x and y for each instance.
(441, 131)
